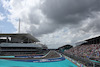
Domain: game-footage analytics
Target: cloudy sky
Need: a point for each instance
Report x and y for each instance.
(53, 22)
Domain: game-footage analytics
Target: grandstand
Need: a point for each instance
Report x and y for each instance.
(26, 48)
(88, 49)
(19, 44)
(65, 47)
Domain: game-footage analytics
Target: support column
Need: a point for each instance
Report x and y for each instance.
(7, 40)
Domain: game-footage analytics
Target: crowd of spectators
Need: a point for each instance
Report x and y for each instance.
(86, 51)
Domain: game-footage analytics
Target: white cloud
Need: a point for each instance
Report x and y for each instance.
(21, 9)
(53, 23)
(2, 17)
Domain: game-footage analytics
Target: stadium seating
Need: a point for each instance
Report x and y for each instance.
(86, 51)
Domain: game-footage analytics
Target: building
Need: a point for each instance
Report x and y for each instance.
(19, 44)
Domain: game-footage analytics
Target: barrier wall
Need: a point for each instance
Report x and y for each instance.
(38, 56)
(77, 63)
(41, 60)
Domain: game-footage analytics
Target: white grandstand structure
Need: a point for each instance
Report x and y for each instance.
(19, 44)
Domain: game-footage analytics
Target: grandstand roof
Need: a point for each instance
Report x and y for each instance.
(65, 46)
(20, 36)
(93, 38)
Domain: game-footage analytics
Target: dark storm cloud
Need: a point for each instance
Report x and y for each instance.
(60, 13)
(69, 11)
(44, 28)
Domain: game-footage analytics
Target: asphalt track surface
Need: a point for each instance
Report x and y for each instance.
(50, 54)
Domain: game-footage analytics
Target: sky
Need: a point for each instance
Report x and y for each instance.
(54, 22)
